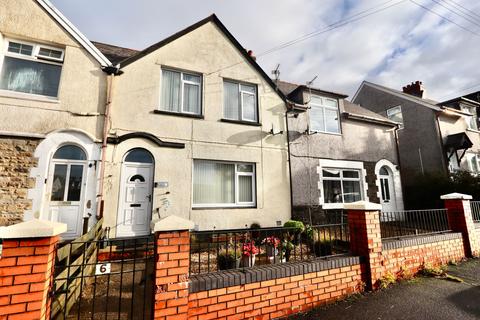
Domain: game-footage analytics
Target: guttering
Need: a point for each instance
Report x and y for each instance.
(454, 112)
(74, 32)
(369, 119)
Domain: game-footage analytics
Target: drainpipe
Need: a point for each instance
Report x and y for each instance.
(289, 162)
(111, 72)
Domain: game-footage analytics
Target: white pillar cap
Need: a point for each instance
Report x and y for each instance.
(456, 196)
(172, 223)
(33, 229)
(363, 205)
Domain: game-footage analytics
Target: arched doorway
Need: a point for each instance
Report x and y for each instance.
(136, 189)
(387, 189)
(66, 183)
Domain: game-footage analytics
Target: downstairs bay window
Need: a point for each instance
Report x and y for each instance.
(341, 185)
(223, 184)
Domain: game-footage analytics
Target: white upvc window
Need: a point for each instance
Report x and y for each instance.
(31, 68)
(471, 120)
(341, 185)
(473, 162)
(324, 115)
(223, 184)
(240, 101)
(395, 114)
(181, 92)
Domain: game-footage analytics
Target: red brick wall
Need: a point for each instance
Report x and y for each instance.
(26, 268)
(412, 258)
(460, 220)
(275, 298)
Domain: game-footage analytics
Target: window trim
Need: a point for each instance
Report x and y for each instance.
(323, 107)
(240, 101)
(182, 85)
(471, 155)
(389, 112)
(237, 203)
(469, 119)
(342, 165)
(33, 57)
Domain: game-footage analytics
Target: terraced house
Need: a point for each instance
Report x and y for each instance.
(195, 132)
(340, 153)
(52, 101)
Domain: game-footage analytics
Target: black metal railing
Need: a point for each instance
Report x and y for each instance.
(216, 250)
(475, 207)
(104, 279)
(397, 224)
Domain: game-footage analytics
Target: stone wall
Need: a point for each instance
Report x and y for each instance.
(16, 160)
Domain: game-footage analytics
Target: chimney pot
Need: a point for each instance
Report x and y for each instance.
(415, 89)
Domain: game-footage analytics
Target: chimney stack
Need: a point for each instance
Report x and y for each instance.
(415, 89)
(250, 53)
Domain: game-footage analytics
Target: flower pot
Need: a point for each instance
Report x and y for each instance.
(248, 261)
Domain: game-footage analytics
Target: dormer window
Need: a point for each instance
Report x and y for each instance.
(324, 115)
(31, 68)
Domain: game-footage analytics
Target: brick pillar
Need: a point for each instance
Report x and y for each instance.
(172, 264)
(366, 240)
(460, 220)
(26, 269)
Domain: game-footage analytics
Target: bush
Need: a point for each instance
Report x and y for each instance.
(227, 260)
(426, 192)
(297, 227)
(322, 248)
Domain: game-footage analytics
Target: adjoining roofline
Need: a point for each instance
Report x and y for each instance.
(460, 98)
(214, 19)
(386, 122)
(74, 32)
(317, 90)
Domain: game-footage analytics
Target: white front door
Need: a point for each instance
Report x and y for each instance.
(67, 189)
(67, 183)
(135, 204)
(387, 190)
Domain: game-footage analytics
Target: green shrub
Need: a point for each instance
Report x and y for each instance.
(227, 260)
(322, 248)
(297, 227)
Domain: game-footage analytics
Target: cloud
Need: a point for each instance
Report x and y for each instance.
(393, 47)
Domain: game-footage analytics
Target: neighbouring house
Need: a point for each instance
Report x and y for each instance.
(433, 137)
(339, 153)
(52, 101)
(198, 130)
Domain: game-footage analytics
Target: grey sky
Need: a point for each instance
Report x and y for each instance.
(393, 47)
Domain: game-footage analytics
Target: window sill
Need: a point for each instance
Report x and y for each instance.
(311, 133)
(223, 208)
(28, 96)
(248, 123)
(178, 114)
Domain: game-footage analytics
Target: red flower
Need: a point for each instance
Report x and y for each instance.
(272, 241)
(249, 248)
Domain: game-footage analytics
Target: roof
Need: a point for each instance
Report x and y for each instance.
(357, 110)
(288, 88)
(114, 53)
(74, 32)
(429, 103)
(214, 19)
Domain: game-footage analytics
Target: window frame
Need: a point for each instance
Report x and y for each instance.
(34, 57)
(323, 107)
(237, 204)
(389, 113)
(241, 92)
(341, 165)
(470, 157)
(161, 108)
(470, 119)
(341, 178)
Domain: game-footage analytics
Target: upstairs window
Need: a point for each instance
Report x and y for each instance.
(324, 116)
(473, 163)
(395, 114)
(31, 68)
(471, 120)
(240, 101)
(181, 92)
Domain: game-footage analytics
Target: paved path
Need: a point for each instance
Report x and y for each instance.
(421, 298)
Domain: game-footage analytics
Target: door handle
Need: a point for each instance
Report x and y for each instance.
(135, 205)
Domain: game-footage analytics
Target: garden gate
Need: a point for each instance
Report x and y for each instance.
(101, 278)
